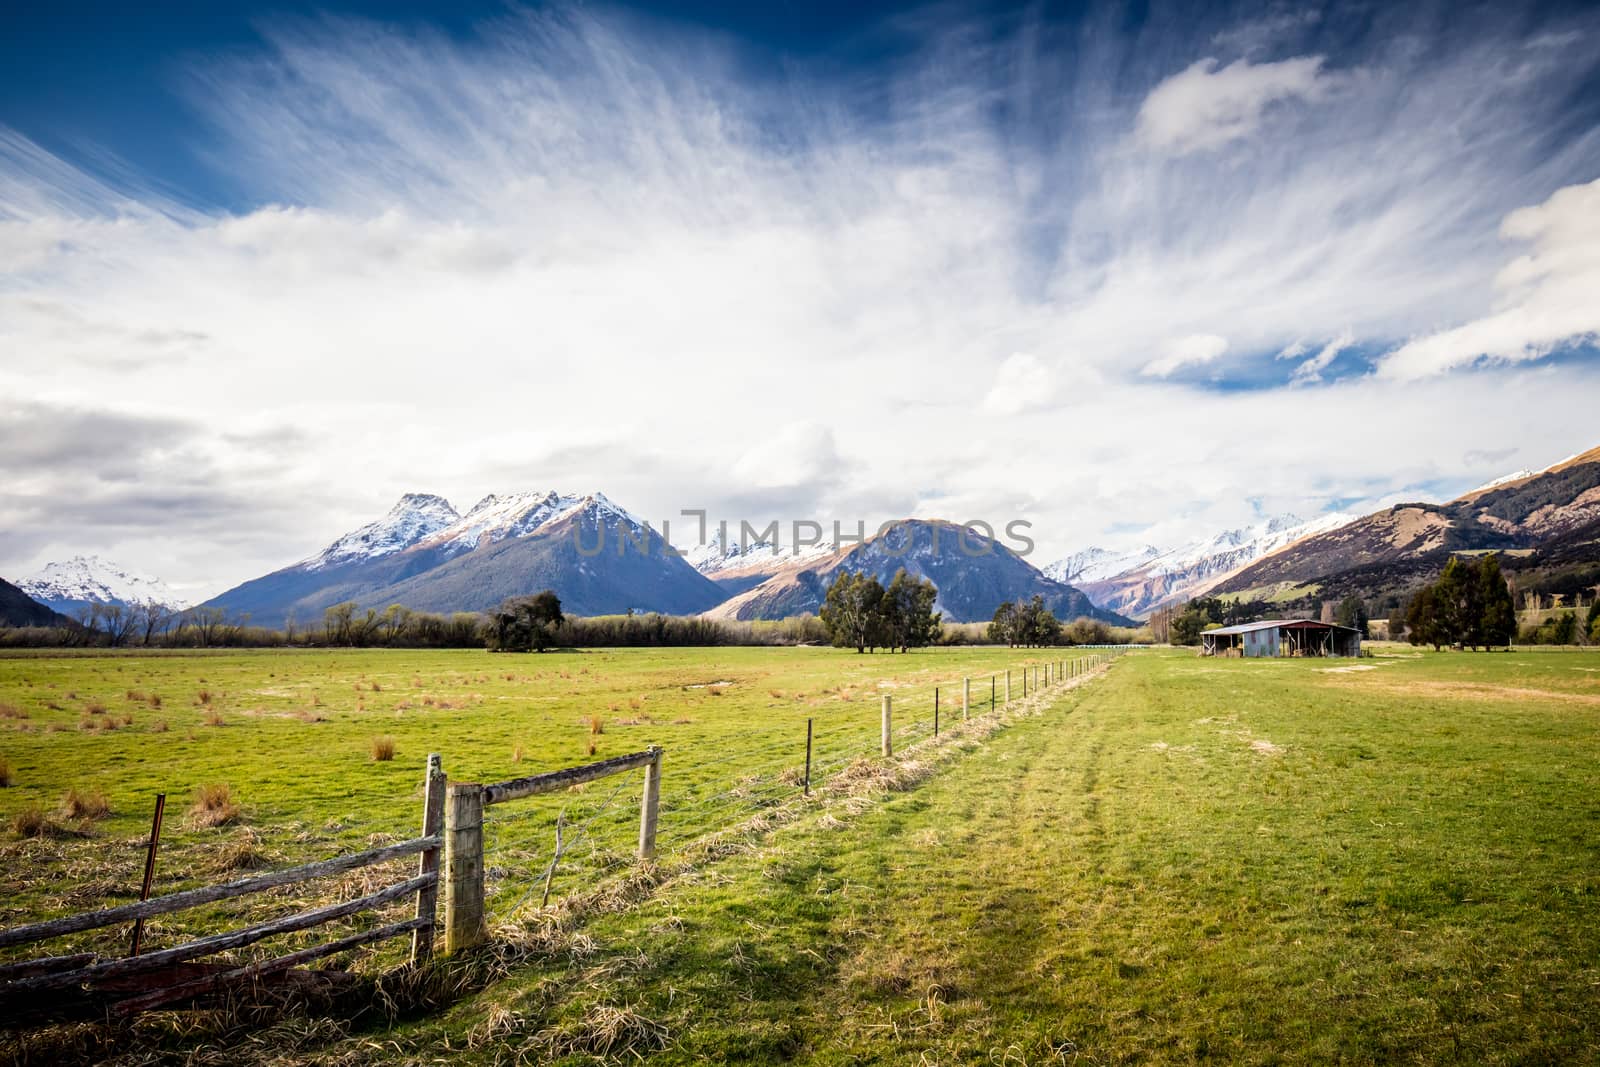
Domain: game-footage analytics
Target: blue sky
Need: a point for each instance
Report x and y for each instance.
(265, 268)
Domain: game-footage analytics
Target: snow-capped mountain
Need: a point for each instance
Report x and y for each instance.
(414, 517)
(974, 575)
(84, 580)
(597, 556)
(1188, 571)
(1094, 564)
(713, 558)
(495, 518)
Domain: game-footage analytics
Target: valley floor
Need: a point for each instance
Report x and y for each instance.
(1389, 860)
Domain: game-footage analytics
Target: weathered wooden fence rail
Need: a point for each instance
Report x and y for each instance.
(463, 832)
(78, 983)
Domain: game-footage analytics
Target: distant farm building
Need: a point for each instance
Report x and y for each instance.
(1282, 637)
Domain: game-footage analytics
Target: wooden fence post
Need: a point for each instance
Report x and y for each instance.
(888, 728)
(650, 807)
(1008, 685)
(433, 784)
(463, 866)
(966, 696)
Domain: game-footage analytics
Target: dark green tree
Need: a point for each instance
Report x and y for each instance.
(852, 611)
(1352, 612)
(1497, 611)
(907, 614)
(525, 624)
(1423, 624)
(1003, 627)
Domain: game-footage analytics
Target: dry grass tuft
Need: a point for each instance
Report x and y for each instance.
(94, 707)
(127, 718)
(310, 716)
(212, 717)
(136, 696)
(605, 1031)
(636, 703)
(716, 690)
(85, 804)
(30, 822)
(203, 697)
(597, 725)
(5, 774)
(516, 754)
(154, 700)
(11, 711)
(243, 853)
(213, 805)
(159, 726)
(382, 749)
(594, 746)
(682, 720)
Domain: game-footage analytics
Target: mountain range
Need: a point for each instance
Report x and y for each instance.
(1545, 524)
(1137, 583)
(600, 559)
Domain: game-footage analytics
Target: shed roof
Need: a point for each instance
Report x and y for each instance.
(1273, 624)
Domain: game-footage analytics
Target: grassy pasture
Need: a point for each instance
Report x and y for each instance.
(294, 735)
(1395, 860)
(1392, 860)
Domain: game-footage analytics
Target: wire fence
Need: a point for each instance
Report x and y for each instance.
(543, 847)
(711, 786)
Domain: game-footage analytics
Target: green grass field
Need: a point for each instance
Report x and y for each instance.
(292, 733)
(1393, 860)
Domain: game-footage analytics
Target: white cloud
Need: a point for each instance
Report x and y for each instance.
(1190, 351)
(1204, 107)
(574, 252)
(1311, 370)
(1549, 296)
(1023, 383)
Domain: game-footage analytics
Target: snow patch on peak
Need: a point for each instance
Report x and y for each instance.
(1094, 563)
(1514, 476)
(414, 517)
(714, 556)
(92, 579)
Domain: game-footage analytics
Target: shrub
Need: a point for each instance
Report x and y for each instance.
(213, 805)
(30, 822)
(85, 804)
(382, 749)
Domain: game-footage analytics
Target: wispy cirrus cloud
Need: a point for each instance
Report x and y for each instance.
(597, 246)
